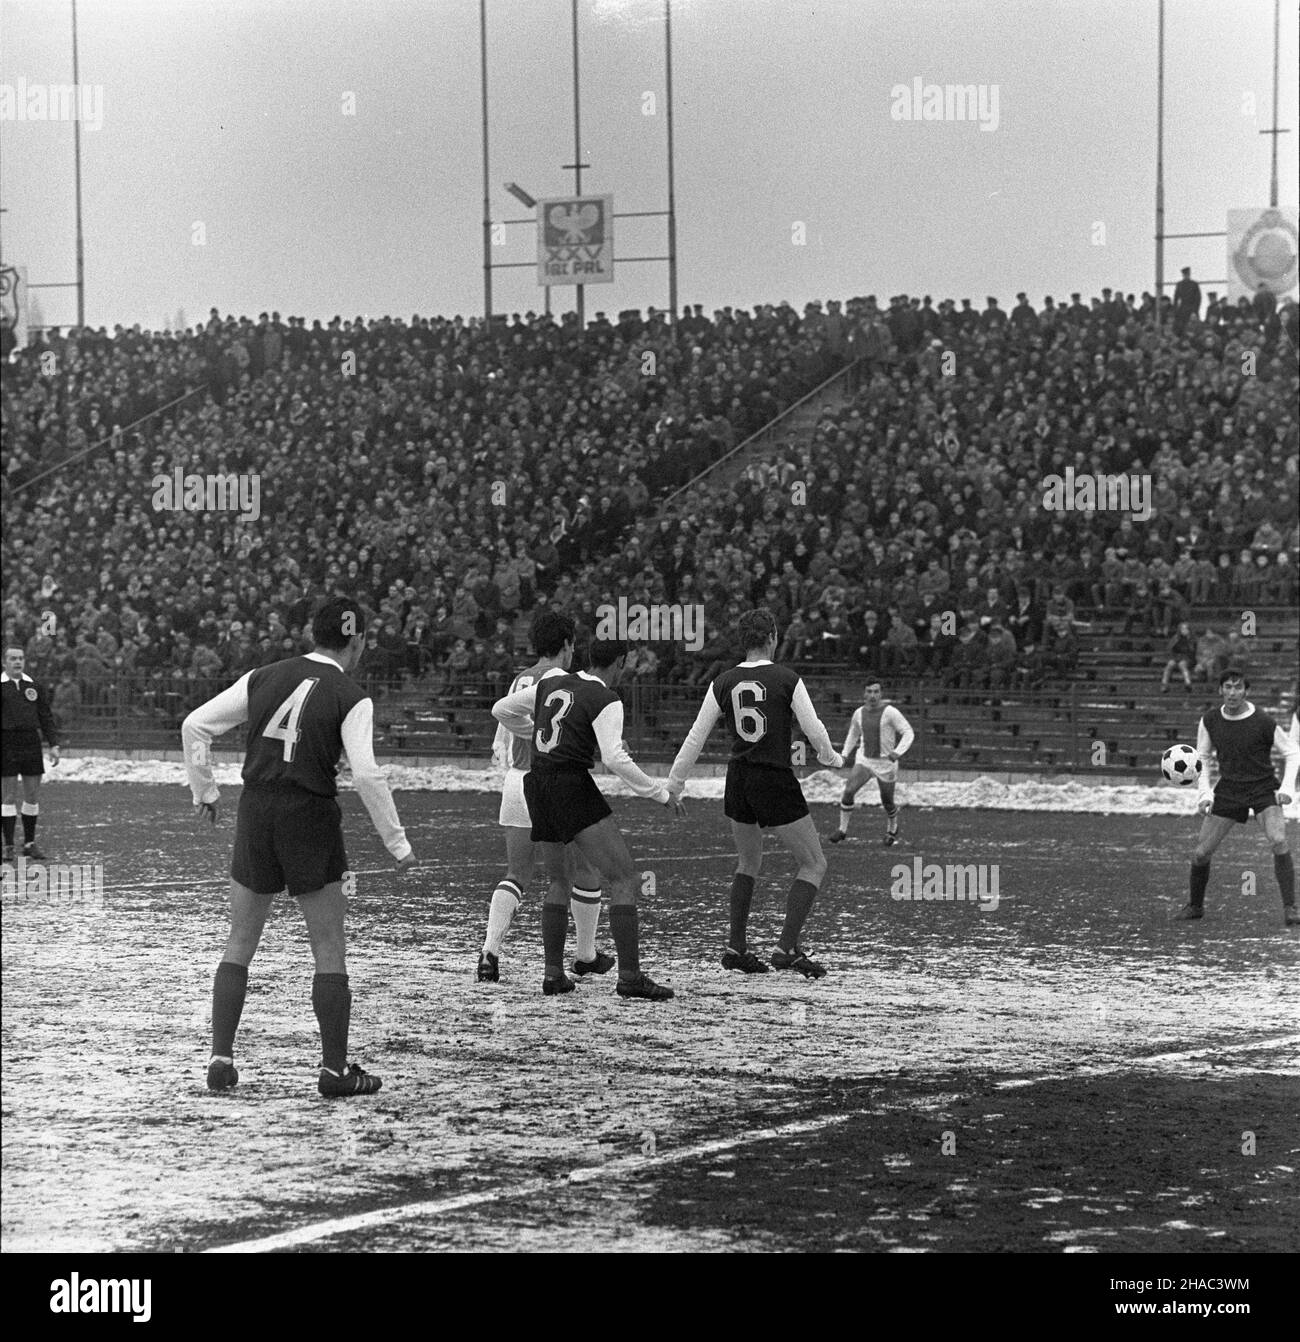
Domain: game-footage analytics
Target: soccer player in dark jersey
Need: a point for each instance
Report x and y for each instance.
(1243, 737)
(302, 714)
(25, 716)
(552, 635)
(760, 703)
(572, 717)
(881, 735)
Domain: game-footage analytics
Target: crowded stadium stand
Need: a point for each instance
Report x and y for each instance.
(875, 474)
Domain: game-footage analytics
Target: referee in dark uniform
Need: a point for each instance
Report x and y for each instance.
(1244, 738)
(25, 716)
(302, 713)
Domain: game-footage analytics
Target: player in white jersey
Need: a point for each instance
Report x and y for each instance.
(552, 636)
(880, 735)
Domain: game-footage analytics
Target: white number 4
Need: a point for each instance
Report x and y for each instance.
(283, 725)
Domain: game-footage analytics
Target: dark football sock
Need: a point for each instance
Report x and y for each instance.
(555, 927)
(229, 985)
(29, 825)
(742, 895)
(331, 1000)
(798, 905)
(1284, 870)
(9, 824)
(623, 924)
(1200, 879)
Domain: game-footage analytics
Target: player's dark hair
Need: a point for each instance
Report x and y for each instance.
(755, 627)
(332, 617)
(551, 631)
(604, 652)
(1234, 673)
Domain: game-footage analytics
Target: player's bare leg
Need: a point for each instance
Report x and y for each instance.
(802, 840)
(506, 899)
(1273, 823)
(248, 911)
(584, 904)
(555, 917)
(857, 776)
(891, 812)
(9, 814)
(603, 846)
(1214, 829)
(331, 998)
(749, 859)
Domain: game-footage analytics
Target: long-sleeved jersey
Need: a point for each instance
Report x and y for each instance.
(877, 732)
(1244, 746)
(303, 714)
(25, 707)
(571, 718)
(760, 703)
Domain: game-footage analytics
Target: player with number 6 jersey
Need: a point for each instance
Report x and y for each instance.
(302, 714)
(760, 703)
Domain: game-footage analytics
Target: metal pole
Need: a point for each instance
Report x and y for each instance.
(1160, 165)
(487, 204)
(577, 140)
(672, 201)
(76, 153)
(1272, 181)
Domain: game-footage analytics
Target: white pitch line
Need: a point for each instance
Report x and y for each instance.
(1135, 1064)
(411, 1211)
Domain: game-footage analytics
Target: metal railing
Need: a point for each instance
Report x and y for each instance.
(1077, 727)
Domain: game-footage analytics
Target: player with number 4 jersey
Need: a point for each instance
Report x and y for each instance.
(760, 703)
(303, 714)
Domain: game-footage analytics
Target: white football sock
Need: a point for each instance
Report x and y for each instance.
(585, 906)
(846, 814)
(501, 913)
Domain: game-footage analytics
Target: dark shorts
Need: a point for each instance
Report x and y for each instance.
(763, 795)
(287, 839)
(1237, 803)
(562, 803)
(20, 753)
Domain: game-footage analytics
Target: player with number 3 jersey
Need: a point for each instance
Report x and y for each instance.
(572, 718)
(760, 703)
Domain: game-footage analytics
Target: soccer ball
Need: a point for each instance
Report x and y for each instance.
(1181, 765)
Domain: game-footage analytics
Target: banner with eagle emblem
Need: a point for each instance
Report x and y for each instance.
(1262, 249)
(575, 240)
(13, 309)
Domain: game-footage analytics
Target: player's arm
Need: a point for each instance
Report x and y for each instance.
(854, 735)
(1205, 751)
(515, 711)
(501, 747)
(705, 721)
(813, 727)
(368, 778)
(45, 717)
(219, 715)
(1290, 753)
(608, 726)
(905, 733)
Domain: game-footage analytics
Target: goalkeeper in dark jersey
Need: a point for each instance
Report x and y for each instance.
(1244, 738)
(302, 714)
(760, 703)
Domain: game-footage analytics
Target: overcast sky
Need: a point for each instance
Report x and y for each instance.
(226, 122)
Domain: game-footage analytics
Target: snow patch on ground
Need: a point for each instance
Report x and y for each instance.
(979, 792)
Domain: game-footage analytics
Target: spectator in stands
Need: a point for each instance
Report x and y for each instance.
(1002, 654)
(1212, 651)
(1181, 651)
(968, 669)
